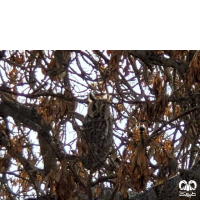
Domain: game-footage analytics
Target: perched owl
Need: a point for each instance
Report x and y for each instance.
(96, 134)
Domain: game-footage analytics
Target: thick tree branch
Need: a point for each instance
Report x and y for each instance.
(169, 189)
(55, 82)
(25, 115)
(148, 56)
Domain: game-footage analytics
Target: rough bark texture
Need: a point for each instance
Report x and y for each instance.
(31, 119)
(170, 189)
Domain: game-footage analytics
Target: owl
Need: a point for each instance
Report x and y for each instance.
(96, 135)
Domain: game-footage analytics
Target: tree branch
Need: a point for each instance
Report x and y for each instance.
(157, 132)
(148, 56)
(49, 149)
(169, 189)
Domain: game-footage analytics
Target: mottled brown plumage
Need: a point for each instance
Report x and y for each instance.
(96, 134)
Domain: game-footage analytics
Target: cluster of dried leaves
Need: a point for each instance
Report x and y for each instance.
(154, 100)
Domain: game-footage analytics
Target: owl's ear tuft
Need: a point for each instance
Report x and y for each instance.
(91, 97)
